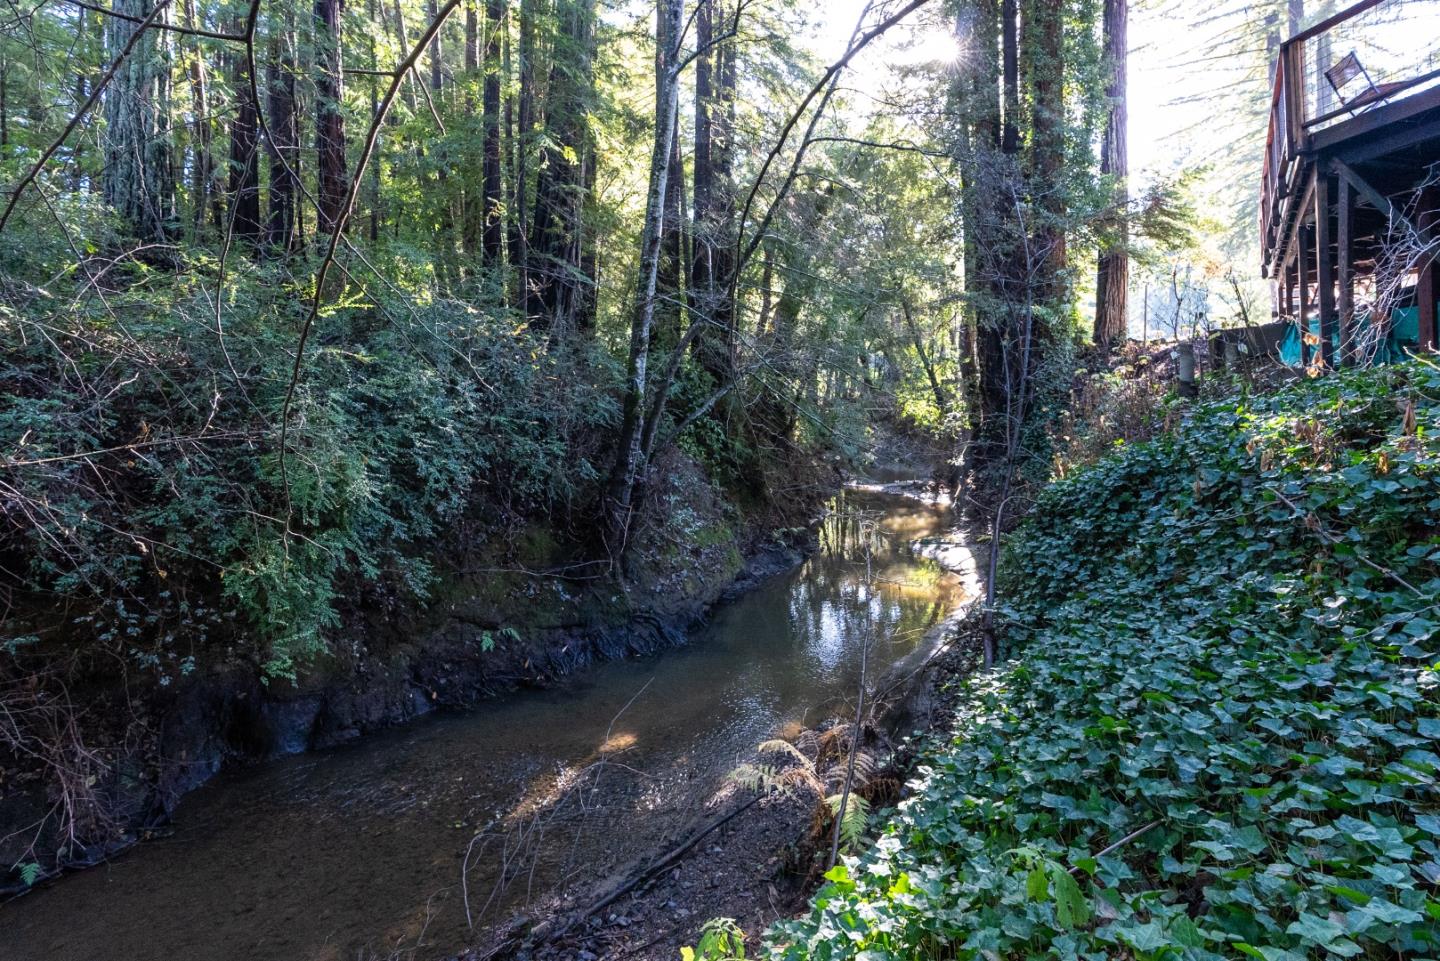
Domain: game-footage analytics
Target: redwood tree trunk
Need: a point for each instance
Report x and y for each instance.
(244, 157)
(331, 180)
(1113, 278)
(1044, 27)
(474, 202)
(557, 292)
(714, 211)
(493, 241)
(136, 180)
(280, 229)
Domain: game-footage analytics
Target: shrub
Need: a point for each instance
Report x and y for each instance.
(149, 479)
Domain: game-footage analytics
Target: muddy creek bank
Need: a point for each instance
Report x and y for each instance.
(358, 851)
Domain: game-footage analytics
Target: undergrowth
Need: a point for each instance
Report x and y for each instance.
(1217, 730)
(145, 491)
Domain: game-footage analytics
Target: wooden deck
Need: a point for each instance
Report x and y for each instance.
(1345, 164)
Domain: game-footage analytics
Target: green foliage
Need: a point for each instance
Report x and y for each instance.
(408, 421)
(720, 940)
(856, 819)
(29, 872)
(1219, 731)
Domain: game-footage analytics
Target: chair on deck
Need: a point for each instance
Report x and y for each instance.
(1350, 73)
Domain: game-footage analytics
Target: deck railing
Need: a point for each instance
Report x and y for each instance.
(1393, 48)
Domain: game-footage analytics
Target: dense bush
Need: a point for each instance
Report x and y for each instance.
(405, 417)
(1218, 732)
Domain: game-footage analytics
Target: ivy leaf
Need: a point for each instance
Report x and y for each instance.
(1144, 938)
(1315, 929)
(1072, 908)
(1037, 886)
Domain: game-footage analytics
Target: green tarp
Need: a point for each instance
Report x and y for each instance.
(1404, 332)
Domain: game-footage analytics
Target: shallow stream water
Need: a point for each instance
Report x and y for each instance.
(357, 852)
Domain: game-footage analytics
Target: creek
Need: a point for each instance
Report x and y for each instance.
(357, 852)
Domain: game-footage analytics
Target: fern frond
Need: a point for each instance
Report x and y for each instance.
(828, 745)
(779, 746)
(808, 742)
(794, 777)
(855, 820)
(760, 778)
(865, 767)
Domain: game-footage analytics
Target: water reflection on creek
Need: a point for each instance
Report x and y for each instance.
(351, 852)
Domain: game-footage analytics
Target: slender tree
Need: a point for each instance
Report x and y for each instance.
(625, 474)
(202, 146)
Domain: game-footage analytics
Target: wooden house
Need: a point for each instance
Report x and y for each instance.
(1350, 193)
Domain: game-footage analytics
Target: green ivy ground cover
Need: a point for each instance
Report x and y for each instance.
(1224, 640)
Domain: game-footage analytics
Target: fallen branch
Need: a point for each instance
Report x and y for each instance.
(1120, 843)
(1313, 524)
(649, 872)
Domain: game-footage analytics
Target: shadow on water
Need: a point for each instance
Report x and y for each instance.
(352, 852)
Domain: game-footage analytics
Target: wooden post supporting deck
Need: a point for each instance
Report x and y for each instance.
(1344, 238)
(1425, 290)
(1302, 283)
(1325, 271)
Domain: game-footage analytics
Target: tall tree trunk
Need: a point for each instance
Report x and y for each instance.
(1010, 65)
(520, 148)
(445, 226)
(671, 299)
(720, 307)
(625, 474)
(136, 179)
(244, 156)
(990, 104)
(704, 18)
(1113, 276)
(474, 202)
(437, 53)
(714, 212)
(557, 284)
(493, 241)
(1044, 28)
(202, 161)
(376, 17)
(281, 233)
(4, 99)
(331, 180)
